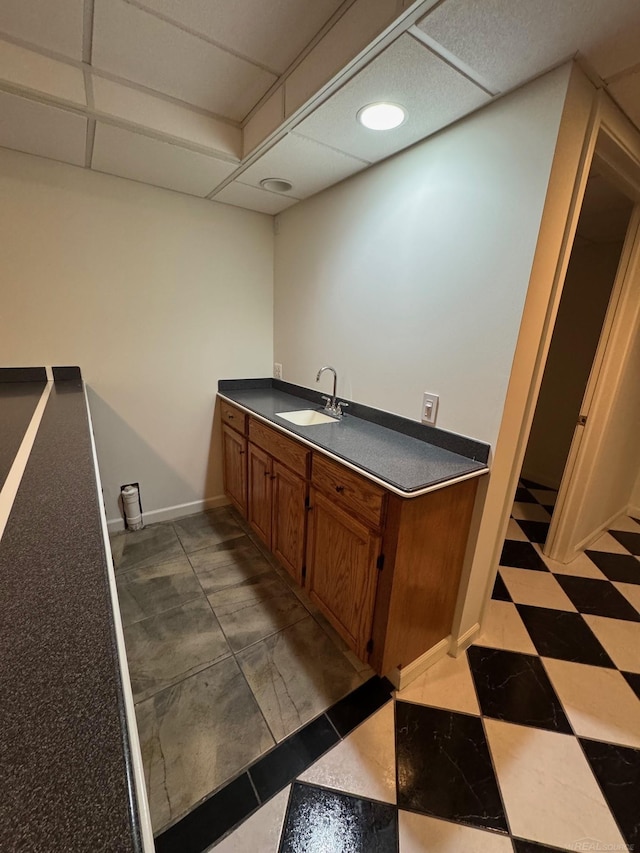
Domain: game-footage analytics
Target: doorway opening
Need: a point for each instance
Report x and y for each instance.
(583, 315)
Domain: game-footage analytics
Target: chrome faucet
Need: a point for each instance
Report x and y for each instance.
(332, 405)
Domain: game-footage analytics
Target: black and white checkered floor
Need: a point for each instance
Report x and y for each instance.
(530, 741)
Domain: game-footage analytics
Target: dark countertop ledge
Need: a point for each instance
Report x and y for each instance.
(404, 455)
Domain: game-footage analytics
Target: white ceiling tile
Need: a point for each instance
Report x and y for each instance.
(33, 71)
(41, 129)
(138, 46)
(130, 155)
(309, 166)
(626, 91)
(353, 32)
(409, 74)
(269, 117)
(507, 42)
(53, 25)
(270, 33)
(251, 198)
(164, 116)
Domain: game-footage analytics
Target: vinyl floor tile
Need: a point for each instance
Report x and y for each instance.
(547, 497)
(633, 680)
(364, 763)
(521, 555)
(503, 628)
(349, 712)
(210, 820)
(515, 532)
(530, 512)
(599, 598)
(219, 569)
(150, 546)
(327, 821)
(549, 794)
(444, 767)
(631, 592)
(292, 757)
(500, 591)
(295, 675)
(607, 543)
(149, 590)
(423, 834)
(447, 684)
(536, 530)
(196, 735)
(618, 771)
(207, 528)
(539, 589)
(261, 832)
(172, 645)
(599, 702)
(524, 495)
(558, 634)
(253, 610)
(515, 687)
(581, 566)
(621, 640)
(617, 567)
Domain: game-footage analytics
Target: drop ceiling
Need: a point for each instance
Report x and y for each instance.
(208, 97)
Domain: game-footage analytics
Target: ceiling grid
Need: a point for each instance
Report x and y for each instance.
(209, 98)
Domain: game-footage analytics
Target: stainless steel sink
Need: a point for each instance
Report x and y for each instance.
(307, 417)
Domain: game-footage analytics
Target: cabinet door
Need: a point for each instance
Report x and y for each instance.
(288, 519)
(341, 570)
(234, 455)
(259, 503)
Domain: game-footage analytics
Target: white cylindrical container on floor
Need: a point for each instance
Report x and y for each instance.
(131, 506)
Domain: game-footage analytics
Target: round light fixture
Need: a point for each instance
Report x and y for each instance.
(381, 116)
(276, 185)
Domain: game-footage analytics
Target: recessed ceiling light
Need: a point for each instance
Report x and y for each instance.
(276, 185)
(382, 116)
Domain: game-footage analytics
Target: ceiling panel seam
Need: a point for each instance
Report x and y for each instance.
(91, 135)
(87, 31)
(452, 61)
(106, 118)
(202, 36)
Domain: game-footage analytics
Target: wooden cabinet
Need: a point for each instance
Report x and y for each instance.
(384, 569)
(342, 573)
(277, 493)
(234, 454)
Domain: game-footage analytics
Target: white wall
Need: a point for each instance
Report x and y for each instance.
(411, 277)
(154, 294)
(585, 297)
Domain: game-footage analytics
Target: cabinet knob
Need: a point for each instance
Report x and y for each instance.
(339, 488)
(230, 417)
(242, 452)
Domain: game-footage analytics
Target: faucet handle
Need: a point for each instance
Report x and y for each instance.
(327, 401)
(340, 405)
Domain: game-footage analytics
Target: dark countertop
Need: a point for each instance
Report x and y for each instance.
(405, 455)
(18, 401)
(66, 782)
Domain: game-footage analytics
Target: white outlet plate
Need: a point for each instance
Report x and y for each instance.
(429, 408)
(277, 370)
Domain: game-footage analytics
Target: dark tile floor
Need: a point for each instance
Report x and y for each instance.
(226, 657)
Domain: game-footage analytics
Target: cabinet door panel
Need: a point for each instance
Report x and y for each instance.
(288, 520)
(234, 453)
(259, 503)
(341, 570)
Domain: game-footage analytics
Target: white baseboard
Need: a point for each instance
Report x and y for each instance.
(169, 513)
(400, 678)
(463, 642)
(633, 511)
(581, 546)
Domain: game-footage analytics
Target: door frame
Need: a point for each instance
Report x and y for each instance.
(589, 118)
(619, 323)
